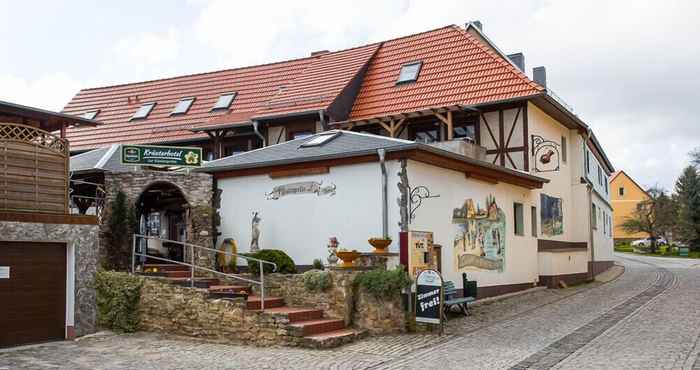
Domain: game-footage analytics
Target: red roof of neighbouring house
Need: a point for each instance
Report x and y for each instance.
(457, 69)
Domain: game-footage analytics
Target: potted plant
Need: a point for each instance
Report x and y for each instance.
(348, 257)
(380, 244)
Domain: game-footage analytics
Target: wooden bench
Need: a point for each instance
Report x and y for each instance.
(451, 298)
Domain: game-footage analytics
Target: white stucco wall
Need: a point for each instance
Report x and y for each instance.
(435, 214)
(562, 263)
(301, 224)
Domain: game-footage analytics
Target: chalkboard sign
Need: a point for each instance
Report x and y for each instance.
(429, 297)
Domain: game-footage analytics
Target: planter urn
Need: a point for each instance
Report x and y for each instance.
(380, 245)
(348, 258)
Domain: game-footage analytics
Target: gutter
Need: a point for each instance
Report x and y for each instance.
(256, 129)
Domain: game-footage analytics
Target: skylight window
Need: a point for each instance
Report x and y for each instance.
(144, 111)
(182, 106)
(320, 139)
(91, 114)
(224, 101)
(409, 72)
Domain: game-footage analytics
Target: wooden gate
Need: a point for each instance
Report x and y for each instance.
(33, 170)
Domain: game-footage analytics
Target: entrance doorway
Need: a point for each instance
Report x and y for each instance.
(162, 211)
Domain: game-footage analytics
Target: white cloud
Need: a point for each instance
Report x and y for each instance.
(50, 91)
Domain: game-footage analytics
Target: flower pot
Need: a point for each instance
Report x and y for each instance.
(348, 258)
(380, 245)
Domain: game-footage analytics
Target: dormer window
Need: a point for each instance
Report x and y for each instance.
(143, 111)
(409, 72)
(91, 114)
(182, 106)
(224, 101)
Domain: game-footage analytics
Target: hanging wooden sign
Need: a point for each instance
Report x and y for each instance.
(429, 297)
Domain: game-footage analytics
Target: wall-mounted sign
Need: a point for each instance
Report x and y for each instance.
(4, 272)
(420, 251)
(306, 187)
(149, 155)
(429, 297)
(545, 153)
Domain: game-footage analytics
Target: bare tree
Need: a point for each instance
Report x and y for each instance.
(654, 216)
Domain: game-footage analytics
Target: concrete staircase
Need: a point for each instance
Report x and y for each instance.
(308, 324)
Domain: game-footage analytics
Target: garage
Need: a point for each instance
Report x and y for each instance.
(32, 292)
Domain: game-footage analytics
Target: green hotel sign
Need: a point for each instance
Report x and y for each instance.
(149, 155)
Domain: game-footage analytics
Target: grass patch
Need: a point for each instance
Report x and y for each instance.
(663, 251)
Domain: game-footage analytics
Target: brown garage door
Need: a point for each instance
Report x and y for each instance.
(33, 299)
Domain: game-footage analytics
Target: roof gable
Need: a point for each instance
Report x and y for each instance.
(632, 188)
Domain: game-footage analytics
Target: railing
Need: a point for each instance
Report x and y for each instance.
(193, 266)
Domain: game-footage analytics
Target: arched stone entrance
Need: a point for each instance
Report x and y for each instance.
(162, 211)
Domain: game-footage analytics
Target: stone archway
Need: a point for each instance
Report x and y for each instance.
(162, 211)
(195, 190)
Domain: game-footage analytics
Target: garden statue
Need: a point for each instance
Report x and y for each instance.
(332, 250)
(227, 262)
(255, 236)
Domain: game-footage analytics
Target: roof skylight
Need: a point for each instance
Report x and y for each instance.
(320, 139)
(224, 101)
(182, 106)
(409, 72)
(143, 111)
(90, 114)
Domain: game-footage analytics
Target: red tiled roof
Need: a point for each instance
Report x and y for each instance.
(457, 69)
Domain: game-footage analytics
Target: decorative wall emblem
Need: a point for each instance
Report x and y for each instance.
(479, 242)
(417, 195)
(306, 187)
(551, 215)
(545, 154)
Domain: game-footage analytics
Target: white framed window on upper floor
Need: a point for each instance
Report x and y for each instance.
(563, 149)
(588, 162)
(143, 111)
(182, 106)
(409, 72)
(224, 101)
(621, 191)
(594, 217)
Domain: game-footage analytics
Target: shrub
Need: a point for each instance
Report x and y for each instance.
(119, 230)
(317, 264)
(285, 265)
(383, 283)
(318, 281)
(118, 296)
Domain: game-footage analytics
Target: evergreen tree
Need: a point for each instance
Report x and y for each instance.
(688, 199)
(118, 234)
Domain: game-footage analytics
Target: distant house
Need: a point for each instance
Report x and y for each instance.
(626, 196)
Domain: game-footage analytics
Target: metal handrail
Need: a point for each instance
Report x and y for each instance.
(193, 266)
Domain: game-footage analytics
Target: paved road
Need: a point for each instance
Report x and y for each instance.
(649, 318)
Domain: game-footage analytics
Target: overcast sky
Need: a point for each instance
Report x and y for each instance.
(630, 69)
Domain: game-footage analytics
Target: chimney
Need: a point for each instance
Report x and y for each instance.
(539, 74)
(519, 60)
(477, 24)
(320, 52)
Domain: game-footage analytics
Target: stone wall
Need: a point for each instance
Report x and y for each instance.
(378, 316)
(84, 240)
(196, 188)
(172, 309)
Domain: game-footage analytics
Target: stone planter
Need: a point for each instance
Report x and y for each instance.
(380, 245)
(348, 258)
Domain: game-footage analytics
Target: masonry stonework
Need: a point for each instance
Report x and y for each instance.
(84, 241)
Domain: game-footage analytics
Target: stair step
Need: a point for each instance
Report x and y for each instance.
(204, 283)
(318, 326)
(331, 339)
(270, 302)
(296, 314)
(230, 288)
(178, 274)
(225, 295)
(166, 267)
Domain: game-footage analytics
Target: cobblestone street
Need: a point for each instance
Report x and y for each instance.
(648, 318)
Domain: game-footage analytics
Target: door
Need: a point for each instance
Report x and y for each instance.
(32, 292)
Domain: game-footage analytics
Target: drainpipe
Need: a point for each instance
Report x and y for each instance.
(589, 190)
(385, 213)
(256, 129)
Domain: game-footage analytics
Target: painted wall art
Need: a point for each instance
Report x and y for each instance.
(306, 187)
(545, 154)
(480, 238)
(551, 215)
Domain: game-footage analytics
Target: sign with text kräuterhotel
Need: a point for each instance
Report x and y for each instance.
(150, 155)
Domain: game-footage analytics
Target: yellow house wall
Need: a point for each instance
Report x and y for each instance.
(624, 206)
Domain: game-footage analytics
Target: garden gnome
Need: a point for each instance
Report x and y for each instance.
(255, 236)
(332, 249)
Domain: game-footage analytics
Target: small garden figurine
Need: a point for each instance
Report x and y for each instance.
(332, 250)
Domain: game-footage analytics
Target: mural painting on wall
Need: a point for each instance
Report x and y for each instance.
(479, 243)
(551, 215)
(545, 153)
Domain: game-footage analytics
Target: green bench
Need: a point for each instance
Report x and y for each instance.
(452, 300)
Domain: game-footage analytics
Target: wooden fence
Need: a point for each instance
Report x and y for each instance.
(33, 170)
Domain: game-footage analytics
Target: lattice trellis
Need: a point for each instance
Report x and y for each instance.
(33, 135)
